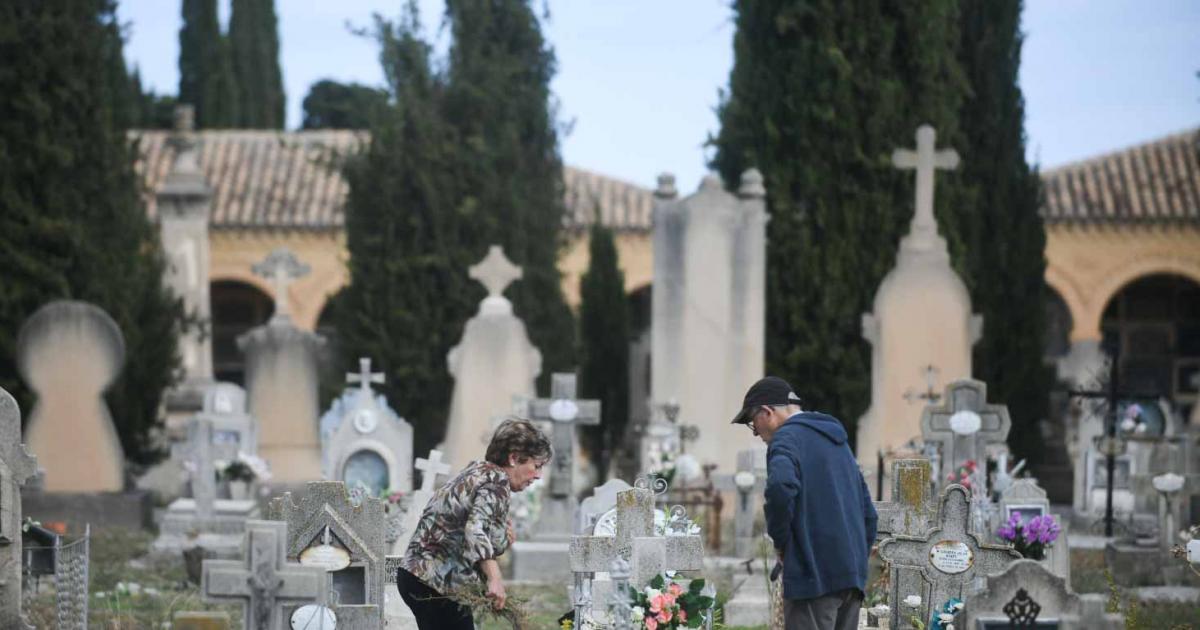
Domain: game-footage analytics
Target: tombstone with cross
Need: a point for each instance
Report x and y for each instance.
(749, 482)
(263, 581)
(912, 509)
(431, 468)
(941, 563)
(17, 466)
(363, 441)
(961, 429)
(564, 412)
(281, 268)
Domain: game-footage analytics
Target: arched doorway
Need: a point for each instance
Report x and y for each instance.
(236, 308)
(1156, 322)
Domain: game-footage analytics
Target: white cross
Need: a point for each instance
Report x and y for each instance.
(199, 453)
(565, 412)
(925, 160)
(365, 376)
(430, 469)
(281, 267)
(495, 272)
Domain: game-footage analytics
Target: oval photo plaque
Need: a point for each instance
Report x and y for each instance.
(314, 617)
(965, 422)
(327, 557)
(951, 556)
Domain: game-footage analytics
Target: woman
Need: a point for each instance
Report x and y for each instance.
(465, 527)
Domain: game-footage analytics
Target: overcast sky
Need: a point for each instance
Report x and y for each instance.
(638, 79)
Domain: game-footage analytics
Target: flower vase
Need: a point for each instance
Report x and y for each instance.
(239, 490)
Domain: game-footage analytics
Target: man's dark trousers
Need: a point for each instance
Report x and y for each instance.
(835, 611)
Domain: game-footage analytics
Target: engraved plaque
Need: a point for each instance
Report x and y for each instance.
(951, 556)
(327, 557)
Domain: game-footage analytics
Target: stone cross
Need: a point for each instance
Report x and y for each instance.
(941, 563)
(495, 272)
(925, 160)
(565, 412)
(749, 482)
(964, 425)
(199, 453)
(262, 580)
(430, 470)
(911, 509)
(365, 376)
(281, 267)
(16, 467)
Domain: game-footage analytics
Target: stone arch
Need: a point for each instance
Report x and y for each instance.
(1089, 319)
(1059, 321)
(236, 307)
(1076, 299)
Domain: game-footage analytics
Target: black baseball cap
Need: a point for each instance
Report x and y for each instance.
(769, 390)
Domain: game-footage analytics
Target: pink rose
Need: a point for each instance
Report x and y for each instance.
(651, 623)
(682, 615)
(656, 603)
(675, 589)
(664, 616)
(668, 600)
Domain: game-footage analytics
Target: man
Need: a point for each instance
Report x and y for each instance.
(819, 513)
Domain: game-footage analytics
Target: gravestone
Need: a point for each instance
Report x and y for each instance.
(69, 353)
(326, 528)
(1028, 595)
(364, 441)
(749, 483)
(396, 612)
(493, 362)
(962, 428)
(941, 563)
(912, 509)
(921, 316)
(545, 556)
(1028, 498)
(234, 431)
(282, 369)
(262, 580)
(602, 500)
(709, 303)
(16, 467)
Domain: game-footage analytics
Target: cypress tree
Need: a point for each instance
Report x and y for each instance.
(1005, 274)
(206, 78)
(604, 345)
(820, 95)
(497, 97)
(254, 47)
(72, 225)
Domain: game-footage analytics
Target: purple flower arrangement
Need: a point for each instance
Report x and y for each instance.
(1032, 538)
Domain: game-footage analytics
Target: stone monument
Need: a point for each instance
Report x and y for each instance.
(363, 441)
(922, 324)
(282, 364)
(961, 429)
(748, 483)
(708, 305)
(492, 363)
(1028, 595)
(69, 353)
(16, 466)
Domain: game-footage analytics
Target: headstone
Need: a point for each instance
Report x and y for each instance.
(942, 563)
(922, 316)
(708, 312)
(602, 499)
(1028, 595)
(962, 428)
(263, 581)
(748, 483)
(16, 467)
(326, 524)
(234, 431)
(1028, 498)
(69, 353)
(493, 362)
(282, 366)
(912, 510)
(364, 441)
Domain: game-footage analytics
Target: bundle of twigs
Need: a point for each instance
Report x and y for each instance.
(515, 611)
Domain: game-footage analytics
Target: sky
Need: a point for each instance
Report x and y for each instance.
(638, 81)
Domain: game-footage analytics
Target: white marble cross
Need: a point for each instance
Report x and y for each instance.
(262, 580)
(495, 272)
(365, 376)
(564, 412)
(925, 160)
(963, 426)
(431, 468)
(281, 267)
(199, 454)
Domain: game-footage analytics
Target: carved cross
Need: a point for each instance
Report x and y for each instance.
(565, 412)
(16, 467)
(365, 376)
(282, 268)
(964, 425)
(911, 510)
(430, 469)
(925, 160)
(495, 272)
(749, 483)
(930, 394)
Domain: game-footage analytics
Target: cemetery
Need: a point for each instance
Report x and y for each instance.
(245, 372)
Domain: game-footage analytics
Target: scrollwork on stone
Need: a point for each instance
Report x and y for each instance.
(654, 483)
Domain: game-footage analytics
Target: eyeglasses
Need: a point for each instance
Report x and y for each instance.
(750, 422)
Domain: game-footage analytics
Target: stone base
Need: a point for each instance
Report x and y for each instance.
(541, 561)
(102, 510)
(1135, 565)
(751, 604)
(180, 528)
(396, 612)
(201, 621)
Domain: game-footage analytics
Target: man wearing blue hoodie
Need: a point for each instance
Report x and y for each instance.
(819, 512)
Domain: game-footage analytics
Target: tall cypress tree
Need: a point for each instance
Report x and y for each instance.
(1003, 257)
(820, 95)
(254, 46)
(72, 225)
(206, 78)
(498, 98)
(604, 345)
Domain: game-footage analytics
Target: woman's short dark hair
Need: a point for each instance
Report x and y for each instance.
(518, 437)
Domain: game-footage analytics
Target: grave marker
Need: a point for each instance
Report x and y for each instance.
(963, 427)
(749, 483)
(16, 467)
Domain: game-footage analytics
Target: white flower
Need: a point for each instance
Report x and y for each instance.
(948, 626)
(636, 613)
(1141, 428)
(1128, 424)
(912, 601)
(881, 610)
(651, 593)
(945, 617)
(958, 606)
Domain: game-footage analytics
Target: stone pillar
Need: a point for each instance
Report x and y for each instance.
(708, 308)
(1085, 367)
(922, 329)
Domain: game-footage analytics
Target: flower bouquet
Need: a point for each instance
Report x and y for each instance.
(665, 605)
(1031, 539)
(963, 475)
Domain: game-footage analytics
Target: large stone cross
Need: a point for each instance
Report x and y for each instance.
(365, 376)
(281, 268)
(963, 426)
(911, 510)
(565, 412)
(495, 272)
(199, 453)
(925, 160)
(749, 482)
(941, 563)
(263, 580)
(430, 470)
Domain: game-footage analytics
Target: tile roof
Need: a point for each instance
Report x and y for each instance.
(1155, 182)
(290, 179)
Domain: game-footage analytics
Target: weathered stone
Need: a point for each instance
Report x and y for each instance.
(912, 509)
(200, 621)
(962, 428)
(748, 484)
(16, 466)
(1024, 584)
(1028, 498)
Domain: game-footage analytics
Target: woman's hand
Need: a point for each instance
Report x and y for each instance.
(495, 590)
(512, 533)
